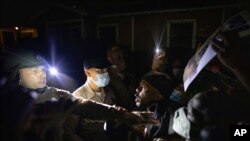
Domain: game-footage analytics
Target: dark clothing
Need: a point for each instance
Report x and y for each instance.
(164, 113)
(163, 110)
(19, 103)
(50, 92)
(16, 105)
(124, 85)
(124, 89)
(88, 110)
(79, 126)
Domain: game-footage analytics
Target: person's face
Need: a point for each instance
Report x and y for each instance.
(177, 69)
(93, 72)
(160, 61)
(146, 95)
(98, 77)
(33, 77)
(117, 59)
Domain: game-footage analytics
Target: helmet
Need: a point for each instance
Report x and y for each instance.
(13, 61)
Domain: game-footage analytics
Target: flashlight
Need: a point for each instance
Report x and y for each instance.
(157, 50)
(53, 71)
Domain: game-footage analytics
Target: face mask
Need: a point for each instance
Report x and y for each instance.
(102, 79)
(184, 127)
(176, 96)
(181, 125)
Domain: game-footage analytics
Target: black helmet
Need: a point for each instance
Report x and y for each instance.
(13, 61)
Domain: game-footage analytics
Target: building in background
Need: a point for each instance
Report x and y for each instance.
(67, 28)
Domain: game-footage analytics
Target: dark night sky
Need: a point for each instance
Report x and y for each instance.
(21, 11)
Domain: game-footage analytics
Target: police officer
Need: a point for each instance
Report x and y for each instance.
(29, 71)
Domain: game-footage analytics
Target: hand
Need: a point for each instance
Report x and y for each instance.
(119, 109)
(234, 56)
(147, 117)
(227, 47)
(134, 119)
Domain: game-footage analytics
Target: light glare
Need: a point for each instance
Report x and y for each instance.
(157, 50)
(53, 71)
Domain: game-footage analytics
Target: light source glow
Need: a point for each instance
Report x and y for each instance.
(53, 71)
(157, 50)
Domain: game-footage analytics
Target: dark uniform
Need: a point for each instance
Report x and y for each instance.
(43, 101)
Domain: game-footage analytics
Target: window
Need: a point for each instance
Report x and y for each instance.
(28, 33)
(181, 34)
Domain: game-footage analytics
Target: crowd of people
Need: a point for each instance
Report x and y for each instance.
(112, 105)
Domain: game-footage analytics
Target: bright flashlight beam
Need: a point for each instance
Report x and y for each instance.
(53, 71)
(157, 50)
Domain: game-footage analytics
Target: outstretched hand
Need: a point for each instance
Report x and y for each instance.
(137, 120)
(233, 55)
(227, 47)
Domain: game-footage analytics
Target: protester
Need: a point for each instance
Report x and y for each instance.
(121, 80)
(233, 53)
(154, 94)
(123, 84)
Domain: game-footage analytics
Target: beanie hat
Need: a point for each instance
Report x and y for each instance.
(161, 82)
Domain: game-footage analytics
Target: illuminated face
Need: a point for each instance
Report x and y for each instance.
(159, 61)
(33, 77)
(98, 77)
(146, 95)
(93, 72)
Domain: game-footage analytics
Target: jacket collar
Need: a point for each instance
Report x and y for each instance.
(90, 93)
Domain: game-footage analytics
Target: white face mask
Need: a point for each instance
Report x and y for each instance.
(102, 80)
(181, 124)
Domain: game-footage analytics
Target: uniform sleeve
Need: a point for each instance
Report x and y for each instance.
(96, 111)
(86, 109)
(63, 93)
(80, 94)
